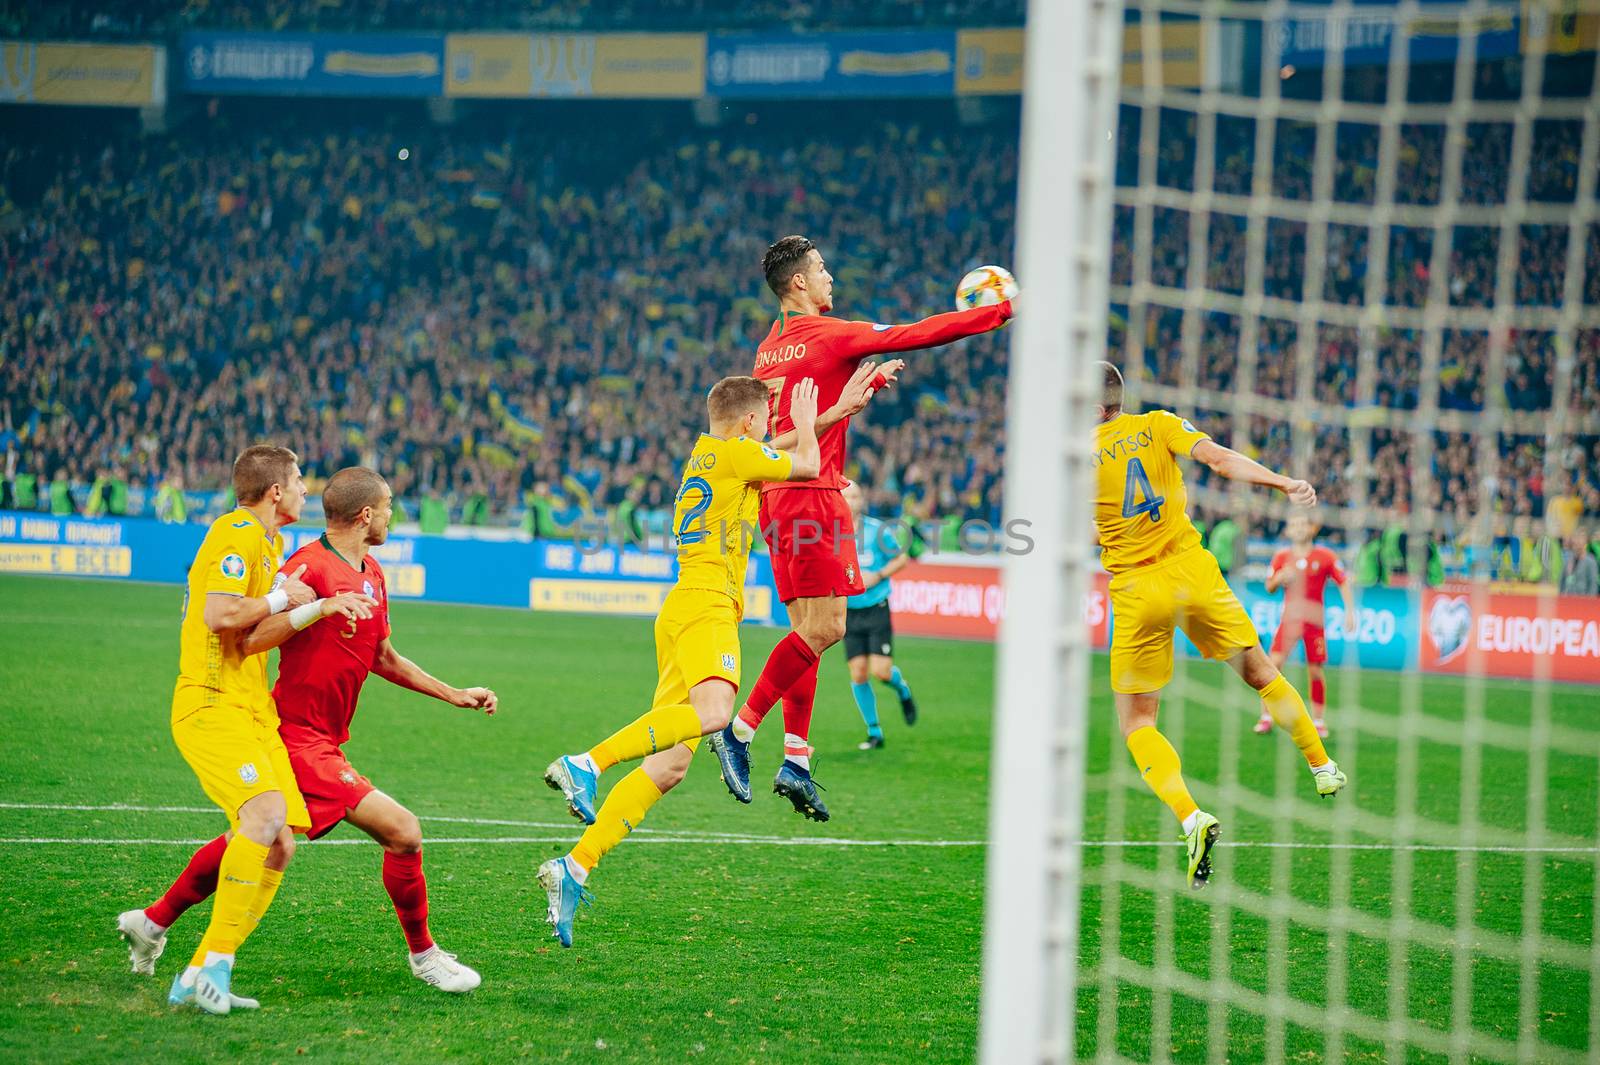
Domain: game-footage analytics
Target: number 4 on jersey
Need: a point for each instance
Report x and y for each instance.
(1137, 487)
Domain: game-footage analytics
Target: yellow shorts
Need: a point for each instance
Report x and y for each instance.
(697, 639)
(236, 756)
(1186, 590)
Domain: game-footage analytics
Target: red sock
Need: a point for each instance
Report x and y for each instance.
(1319, 697)
(196, 883)
(797, 704)
(789, 661)
(403, 880)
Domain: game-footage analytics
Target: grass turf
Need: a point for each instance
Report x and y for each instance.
(726, 951)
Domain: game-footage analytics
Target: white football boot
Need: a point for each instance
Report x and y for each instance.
(146, 940)
(440, 968)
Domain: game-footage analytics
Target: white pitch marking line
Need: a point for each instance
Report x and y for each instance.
(112, 807)
(699, 841)
(646, 835)
(134, 808)
(804, 841)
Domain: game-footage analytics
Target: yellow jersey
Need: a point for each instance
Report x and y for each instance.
(239, 556)
(1140, 507)
(717, 513)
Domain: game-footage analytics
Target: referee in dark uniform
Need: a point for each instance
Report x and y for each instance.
(869, 629)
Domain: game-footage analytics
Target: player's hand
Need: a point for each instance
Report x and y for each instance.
(1352, 624)
(299, 591)
(803, 405)
(857, 391)
(477, 699)
(890, 371)
(352, 605)
(1300, 493)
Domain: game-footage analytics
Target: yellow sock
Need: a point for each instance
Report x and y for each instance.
(657, 730)
(238, 881)
(1288, 711)
(1163, 773)
(270, 879)
(621, 813)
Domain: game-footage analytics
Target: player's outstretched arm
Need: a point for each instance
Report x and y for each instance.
(276, 630)
(396, 668)
(224, 612)
(1226, 462)
(856, 339)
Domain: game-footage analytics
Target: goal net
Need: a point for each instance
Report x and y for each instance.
(1360, 243)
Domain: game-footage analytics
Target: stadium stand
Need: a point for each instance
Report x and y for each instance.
(510, 320)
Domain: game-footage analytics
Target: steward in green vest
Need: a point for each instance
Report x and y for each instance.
(1369, 564)
(475, 511)
(950, 535)
(25, 491)
(98, 491)
(433, 517)
(171, 507)
(1223, 543)
(1394, 550)
(1541, 561)
(1435, 566)
(61, 504)
(626, 518)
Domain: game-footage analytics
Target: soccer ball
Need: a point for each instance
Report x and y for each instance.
(984, 287)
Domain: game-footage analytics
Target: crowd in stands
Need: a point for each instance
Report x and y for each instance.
(150, 19)
(517, 321)
(492, 318)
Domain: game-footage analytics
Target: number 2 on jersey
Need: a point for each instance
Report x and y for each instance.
(1137, 486)
(693, 514)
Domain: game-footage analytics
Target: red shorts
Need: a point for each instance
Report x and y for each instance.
(330, 784)
(811, 538)
(1291, 632)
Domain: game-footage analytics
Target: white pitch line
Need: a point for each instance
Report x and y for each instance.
(647, 835)
(820, 841)
(490, 821)
(699, 841)
(112, 807)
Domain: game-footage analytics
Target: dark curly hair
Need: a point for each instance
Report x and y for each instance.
(785, 259)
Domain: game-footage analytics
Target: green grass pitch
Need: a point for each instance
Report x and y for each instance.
(738, 947)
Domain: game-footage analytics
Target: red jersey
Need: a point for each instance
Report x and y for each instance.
(828, 350)
(321, 670)
(1302, 596)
